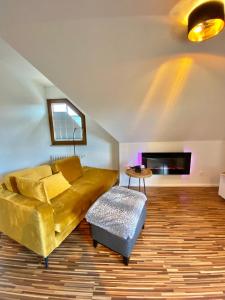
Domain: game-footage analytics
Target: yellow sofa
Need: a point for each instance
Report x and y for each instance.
(42, 226)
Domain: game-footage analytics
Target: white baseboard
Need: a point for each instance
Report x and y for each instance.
(180, 185)
(185, 185)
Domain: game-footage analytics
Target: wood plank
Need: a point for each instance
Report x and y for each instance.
(179, 255)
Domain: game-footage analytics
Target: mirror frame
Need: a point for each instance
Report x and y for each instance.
(51, 125)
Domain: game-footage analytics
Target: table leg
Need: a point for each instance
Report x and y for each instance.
(144, 186)
(129, 183)
(139, 184)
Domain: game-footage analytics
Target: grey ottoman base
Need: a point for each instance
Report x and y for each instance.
(116, 243)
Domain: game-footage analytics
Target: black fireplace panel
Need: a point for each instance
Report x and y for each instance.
(167, 163)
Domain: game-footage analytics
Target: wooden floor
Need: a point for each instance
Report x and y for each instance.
(180, 255)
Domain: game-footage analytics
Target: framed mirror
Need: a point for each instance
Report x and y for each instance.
(66, 122)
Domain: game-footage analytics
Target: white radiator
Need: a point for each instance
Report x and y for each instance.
(56, 157)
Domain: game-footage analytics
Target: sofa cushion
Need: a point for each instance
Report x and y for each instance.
(1, 187)
(55, 185)
(34, 173)
(31, 188)
(44, 189)
(62, 221)
(102, 177)
(70, 168)
(72, 205)
(66, 208)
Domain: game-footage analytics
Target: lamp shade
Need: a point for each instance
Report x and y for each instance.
(206, 21)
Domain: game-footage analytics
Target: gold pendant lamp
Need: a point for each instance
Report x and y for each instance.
(206, 21)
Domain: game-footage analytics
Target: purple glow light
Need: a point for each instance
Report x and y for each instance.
(139, 158)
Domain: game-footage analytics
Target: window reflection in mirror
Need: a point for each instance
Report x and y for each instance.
(67, 123)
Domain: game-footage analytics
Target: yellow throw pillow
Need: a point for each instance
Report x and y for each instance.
(70, 168)
(33, 173)
(44, 189)
(55, 185)
(31, 188)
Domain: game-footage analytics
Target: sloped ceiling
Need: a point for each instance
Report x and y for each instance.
(126, 63)
(19, 67)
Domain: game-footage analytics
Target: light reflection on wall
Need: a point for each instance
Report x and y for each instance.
(179, 73)
(166, 87)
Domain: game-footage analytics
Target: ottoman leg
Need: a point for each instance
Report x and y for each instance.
(126, 260)
(95, 243)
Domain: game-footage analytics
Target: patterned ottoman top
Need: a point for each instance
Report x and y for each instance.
(117, 211)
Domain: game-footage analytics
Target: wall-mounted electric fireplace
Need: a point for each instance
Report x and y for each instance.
(167, 163)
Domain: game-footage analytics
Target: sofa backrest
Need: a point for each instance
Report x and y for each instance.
(34, 173)
(70, 168)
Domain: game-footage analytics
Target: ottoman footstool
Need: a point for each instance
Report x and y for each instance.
(116, 220)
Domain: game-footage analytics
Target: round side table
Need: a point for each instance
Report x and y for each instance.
(145, 173)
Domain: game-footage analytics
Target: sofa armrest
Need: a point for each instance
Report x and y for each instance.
(27, 221)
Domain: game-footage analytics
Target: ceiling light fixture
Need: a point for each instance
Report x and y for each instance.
(206, 21)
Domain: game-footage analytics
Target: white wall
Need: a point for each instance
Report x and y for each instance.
(223, 151)
(24, 138)
(24, 130)
(102, 150)
(208, 161)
